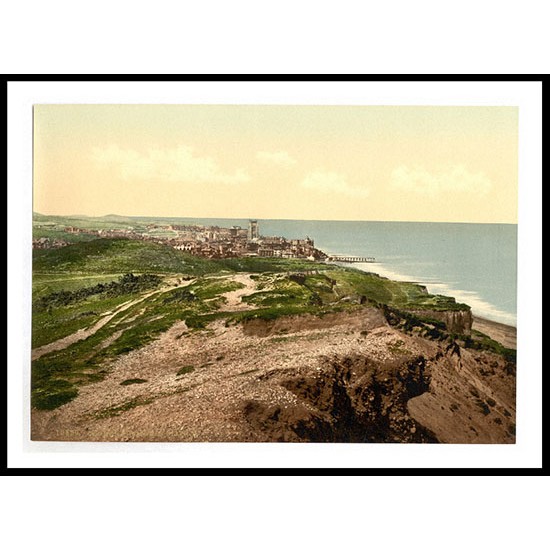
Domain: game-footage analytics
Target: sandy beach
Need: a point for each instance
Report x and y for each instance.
(504, 334)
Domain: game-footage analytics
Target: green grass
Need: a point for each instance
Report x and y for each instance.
(293, 291)
(393, 293)
(56, 233)
(56, 376)
(127, 284)
(479, 340)
(208, 288)
(275, 312)
(322, 286)
(285, 294)
(54, 318)
(85, 222)
(58, 322)
(329, 290)
(85, 361)
(107, 256)
(116, 410)
(46, 283)
(120, 256)
(275, 265)
(53, 394)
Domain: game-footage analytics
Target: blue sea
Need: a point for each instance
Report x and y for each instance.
(475, 263)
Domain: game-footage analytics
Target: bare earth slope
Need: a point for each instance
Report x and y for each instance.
(341, 377)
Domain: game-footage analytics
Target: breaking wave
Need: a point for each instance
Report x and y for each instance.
(480, 307)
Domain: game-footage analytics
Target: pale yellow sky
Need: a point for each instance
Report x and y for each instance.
(449, 164)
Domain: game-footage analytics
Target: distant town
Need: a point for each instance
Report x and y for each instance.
(206, 241)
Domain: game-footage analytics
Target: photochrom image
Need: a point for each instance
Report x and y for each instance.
(274, 273)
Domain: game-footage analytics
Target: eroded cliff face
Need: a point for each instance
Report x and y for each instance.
(472, 397)
(377, 375)
(431, 389)
(457, 322)
(349, 399)
(365, 319)
(446, 395)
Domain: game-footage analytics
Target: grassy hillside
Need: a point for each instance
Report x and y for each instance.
(46, 283)
(84, 264)
(393, 293)
(124, 255)
(266, 265)
(60, 234)
(119, 256)
(74, 287)
(342, 286)
(57, 375)
(54, 323)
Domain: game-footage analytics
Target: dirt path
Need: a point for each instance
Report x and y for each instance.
(234, 298)
(83, 333)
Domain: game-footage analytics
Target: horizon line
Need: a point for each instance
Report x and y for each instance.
(266, 219)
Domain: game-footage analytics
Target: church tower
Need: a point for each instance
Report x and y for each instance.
(253, 232)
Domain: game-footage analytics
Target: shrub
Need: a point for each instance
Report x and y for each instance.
(127, 284)
(185, 370)
(131, 381)
(180, 295)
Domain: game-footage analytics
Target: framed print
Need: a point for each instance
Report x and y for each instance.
(225, 274)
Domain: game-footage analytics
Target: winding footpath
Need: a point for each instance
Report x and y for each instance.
(84, 333)
(234, 298)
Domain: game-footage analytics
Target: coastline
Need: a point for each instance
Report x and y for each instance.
(500, 332)
(290, 375)
(292, 379)
(503, 334)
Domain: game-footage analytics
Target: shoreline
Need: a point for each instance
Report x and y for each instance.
(500, 332)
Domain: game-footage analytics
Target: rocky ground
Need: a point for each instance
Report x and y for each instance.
(344, 377)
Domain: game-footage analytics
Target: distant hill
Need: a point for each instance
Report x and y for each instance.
(111, 221)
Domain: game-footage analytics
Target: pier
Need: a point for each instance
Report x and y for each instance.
(350, 259)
